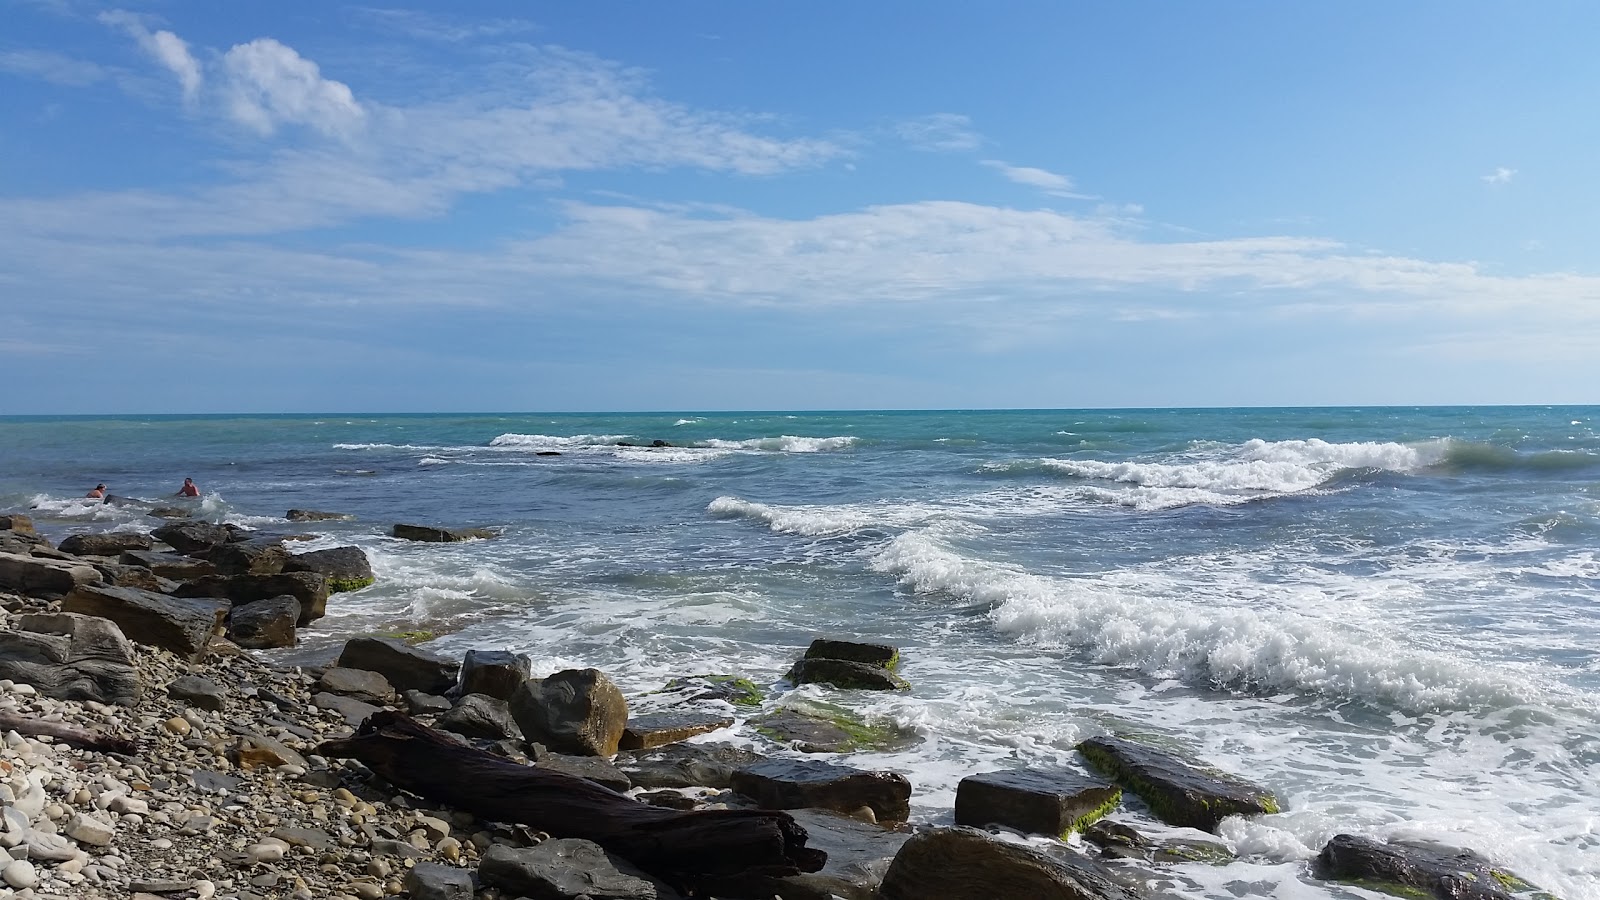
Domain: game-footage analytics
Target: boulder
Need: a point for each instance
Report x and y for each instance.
(169, 565)
(846, 674)
(419, 703)
(23, 543)
(316, 515)
(190, 537)
(345, 568)
(1177, 791)
(577, 711)
(406, 667)
(595, 768)
(1405, 868)
(882, 656)
(686, 765)
(967, 864)
(362, 684)
(119, 575)
(309, 588)
(434, 535)
(16, 522)
(437, 881)
(481, 716)
(643, 732)
(198, 692)
(800, 783)
(497, 673)
(71, 657)
(169, 512)
(44, 577)
(566, 869)
(105, 543)
(181, 625)
(1033, 801)
(859, 853)
(252, 557)
(265, 624)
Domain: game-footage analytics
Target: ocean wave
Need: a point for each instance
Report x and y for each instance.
(811, 521)
(1467, 456)
(694, 421)
(1226, 647)
(381, 447)
(555, 442)
(786, 443)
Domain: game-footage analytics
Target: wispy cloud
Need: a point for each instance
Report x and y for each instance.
(427, 26)
(940, 132)
(164, 47)
(270, 84)
(1044, 180)
(50, 66)
(1500, 175)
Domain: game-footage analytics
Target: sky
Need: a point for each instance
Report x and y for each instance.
(318, 206)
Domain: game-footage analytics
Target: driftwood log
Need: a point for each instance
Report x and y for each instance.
(70, 735)
(680, 847)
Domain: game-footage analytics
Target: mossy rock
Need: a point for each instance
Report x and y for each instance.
(882, 656)
(731, 688)
(1176, 790)
(846, 674)
(1419, 869)
(411, 637)
(337, 585)
(814, 727)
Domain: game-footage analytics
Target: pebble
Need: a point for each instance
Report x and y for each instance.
(177, 725)
(20, 874)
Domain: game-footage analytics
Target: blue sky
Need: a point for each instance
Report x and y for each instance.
(602, 206)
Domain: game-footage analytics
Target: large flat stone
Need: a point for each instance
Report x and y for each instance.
(169, 565)
(1176, 790)
(1036, 801)
(799, 783)
(44, 577)
(967, 864)
(105, 543)
(183, 626)
(568, 868)
(71, 657)
(408, 668)
(686, 765)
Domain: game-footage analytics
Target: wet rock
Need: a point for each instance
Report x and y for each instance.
(43, 577)
(643, 732)
(345, 568)
(812, 727)
(316, 515)
(845, 674)
(568, 869)
(191, 537)
(798, 783)
(497, 673)
(169, 512)
(859, 853)
(406, 667)
(481, 716)
(362, 684)
(882, 656)
(728, 688)
(183, 626)
(253, 557)
(686, 765)
(1055, 803)
(106, 543)
(71, 657)
(435, 535)
(1407, 867)
(265, 624)
(1118, 840)
(309, 588)
(1178, 792)
(423, 704)
(967, 864)
(577, 711)
(595, 768)
(169, 565)
(202, 693)
(435, 881)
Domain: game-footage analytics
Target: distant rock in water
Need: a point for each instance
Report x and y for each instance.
(169, 512)
(316, 515)
(431, 534)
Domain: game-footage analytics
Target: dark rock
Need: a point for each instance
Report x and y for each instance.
(1118, 840)
(354, 711)
(658, 442)
(181, 625)
(881, 655)
(16, 522)
(265, 624)
(419, 703)
(255, 750)
(798, 783)
(859, 853)
(119, 575)
(406, 667)
(440, 535)
(824, 728)
(845, 674)
(169, 565)
(1178, 792)
(189, 537)
(254, 557)
(481, 716)
(437, 881)
(345, 568)
(644, 732)
(967, 864)
(686, 765)
(729, 688)
(547, 453)
(576, 711)
(567, 869)
(200, 692)
(71, 657)
(595, 768)
(1405, 868)
(497, 673)
(362, 684)
(105, 543)
(43, 578)
(23, 543)
(316, 515)
(169, 512)
(667, 799)
(1055, 803)
(309, 588)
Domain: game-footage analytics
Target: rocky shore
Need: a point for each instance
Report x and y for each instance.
(153, 748)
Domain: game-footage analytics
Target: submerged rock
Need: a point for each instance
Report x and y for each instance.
(316, 515)
(1178, 792)
(846, 674)
(1118, 840)
(812, 727)
(686, 765)
(730, 688)
(435, 535)
(1408, 867)
(1056, 803)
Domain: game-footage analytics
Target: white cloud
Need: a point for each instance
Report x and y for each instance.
(418, 24)
(164, 46)
(1044, 180)
(269, 84)
(940, 132)
(51, 66)
(1500, 175)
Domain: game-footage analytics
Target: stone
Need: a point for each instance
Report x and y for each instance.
(253, 557)
(813, 727)
(798, 783)
(183, 626)
(407, 668)
(86, 829)
(497, 673)
(169, 565)
(20, 874)
(209, 782)
(481, 716)
(1118, 840)
(846, 674)
(190, 537)
(345, 568)
(362, 684)
(122, 575)
(198, 692)
(577, 711)
(859, 853)
(436, 881)
(728, 688)
(433, 535)
(71, 657)
(644, 732)
(16, 522)
(882, 656)
(255, 750)
(967, 864)
(106, 543)
(566, 869)
(170, 512)
(316, 515)
(686, 765)
(1033, 801)
(265, 624)
(44, 577)
(595, 768)
(1405, 868)
(1178, 792)
(309, 588)
(26, 543)
(423, 704)
(354, 711)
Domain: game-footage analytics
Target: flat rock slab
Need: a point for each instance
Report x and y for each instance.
(859, 853)
(798, 783)
(846, 674)
(202, 693)
(105, 543)
(566, 869)
(354, 711)
(71, 657)
(686, 765)
(1034, 801)
(363, 684)
(728, 688)
(1406, 867)
(882, 656)
(644, 732)
(407, 668)
(1177, 791)
(169, 565)
(597, 770)
(437, 881)
(44, 577)
(967, 864)
(434, 535)
(181, 625)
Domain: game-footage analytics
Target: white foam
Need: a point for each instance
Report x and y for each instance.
(433, 461)
(786, 443)
(687, 422)
(555, 442)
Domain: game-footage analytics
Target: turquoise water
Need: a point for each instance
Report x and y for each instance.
(1387, 615)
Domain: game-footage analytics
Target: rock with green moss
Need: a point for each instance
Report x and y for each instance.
(846, 674)
(731, 688)
(345, 568)
(1176, 790)
(812, 727)
(1419, 869)
(1034, 801)
(882, 656)
(1118, 840)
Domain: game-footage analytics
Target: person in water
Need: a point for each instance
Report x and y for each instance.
(188, 489)
(98, 493)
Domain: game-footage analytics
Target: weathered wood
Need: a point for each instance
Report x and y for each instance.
(677, 846)
(67, 734)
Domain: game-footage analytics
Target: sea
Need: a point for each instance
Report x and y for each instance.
(1388, 616)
